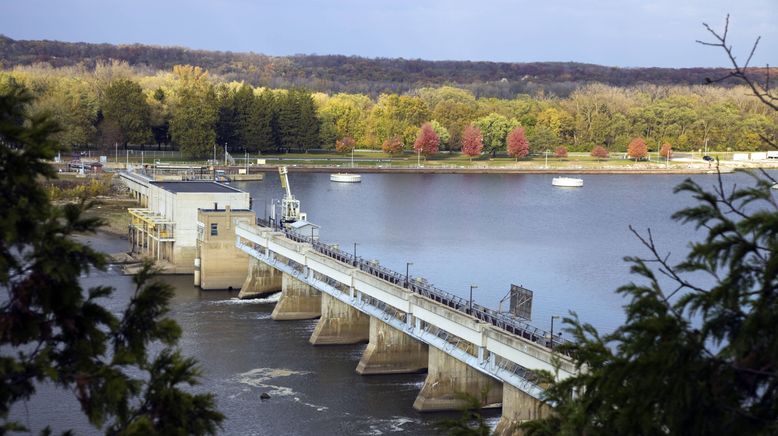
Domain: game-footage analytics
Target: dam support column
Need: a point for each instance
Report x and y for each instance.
(391, 351)
(298, 300)
(262, 280)
(518, 407)
(448, 378)
(340, 324)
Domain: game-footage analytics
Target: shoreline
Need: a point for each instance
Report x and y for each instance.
(502, 170)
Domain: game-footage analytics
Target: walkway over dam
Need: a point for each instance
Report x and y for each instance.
(409, 325)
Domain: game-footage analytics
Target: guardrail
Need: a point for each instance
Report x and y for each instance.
(501, 320)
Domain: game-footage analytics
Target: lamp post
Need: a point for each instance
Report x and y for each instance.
(471, 297)
(552, 330)
(418, 158)
(546, 153)
(407, 277)
(355, 254)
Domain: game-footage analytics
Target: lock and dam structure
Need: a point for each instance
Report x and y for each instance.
(409, 325)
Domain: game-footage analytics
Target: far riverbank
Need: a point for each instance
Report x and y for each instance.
(691, 169)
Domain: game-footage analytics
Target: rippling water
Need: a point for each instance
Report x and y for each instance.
(458, 230)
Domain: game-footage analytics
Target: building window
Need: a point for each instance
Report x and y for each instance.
(214, 229)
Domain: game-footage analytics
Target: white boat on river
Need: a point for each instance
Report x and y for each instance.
(347, 177)
(567, 182)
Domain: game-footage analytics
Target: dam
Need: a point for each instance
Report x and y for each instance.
(409, 326)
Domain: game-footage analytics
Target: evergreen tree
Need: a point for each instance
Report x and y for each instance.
(192, 126)
(160, 117)
(259, 133)
(125, 107)
(242, 110)
(328, 133)
(309, 123)
(53, 330)
(228, 122)
(288, 127)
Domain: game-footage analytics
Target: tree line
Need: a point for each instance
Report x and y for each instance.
(191, 110)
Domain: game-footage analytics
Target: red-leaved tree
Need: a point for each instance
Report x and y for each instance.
(472, 141)
(600, 152)
(560, 152)
(637, 149)
(518, 146)
(392, 146)
(427, 140)
(666, 151)
(345, 145)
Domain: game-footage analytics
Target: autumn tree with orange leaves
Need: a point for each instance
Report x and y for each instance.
(666, 151)
(518, 146)
(392, 146)
(427, 141)
(637, 149)
(345, 145)
(600, 152)
(472, 141)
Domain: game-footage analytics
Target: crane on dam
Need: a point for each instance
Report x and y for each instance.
(290, 206)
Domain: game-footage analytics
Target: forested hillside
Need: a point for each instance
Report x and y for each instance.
(186, 107)
(105, 94)
(353, 74)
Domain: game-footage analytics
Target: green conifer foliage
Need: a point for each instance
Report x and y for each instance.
(53, 330)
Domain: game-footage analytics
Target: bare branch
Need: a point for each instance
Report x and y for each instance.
(753, 49)
(761, 92)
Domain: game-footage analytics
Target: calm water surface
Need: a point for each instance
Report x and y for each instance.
(566, 245)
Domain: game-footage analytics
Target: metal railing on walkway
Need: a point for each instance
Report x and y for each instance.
(501, 320)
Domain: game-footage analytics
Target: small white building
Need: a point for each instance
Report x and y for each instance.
(166, 229)
(305, 228)
(760, 155)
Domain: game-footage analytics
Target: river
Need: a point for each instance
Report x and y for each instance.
(565, 244)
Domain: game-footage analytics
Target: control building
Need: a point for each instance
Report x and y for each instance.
(166, 228)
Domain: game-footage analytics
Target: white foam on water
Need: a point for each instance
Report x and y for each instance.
(392, 425)
(397, 423)
(260, 378)
(272, 298)
(492, 422)
(410, 385)
(313, 406)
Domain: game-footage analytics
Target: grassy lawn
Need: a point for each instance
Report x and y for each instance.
(452, 160)
(370, 159)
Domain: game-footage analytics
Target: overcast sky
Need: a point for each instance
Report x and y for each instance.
(629, 33)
